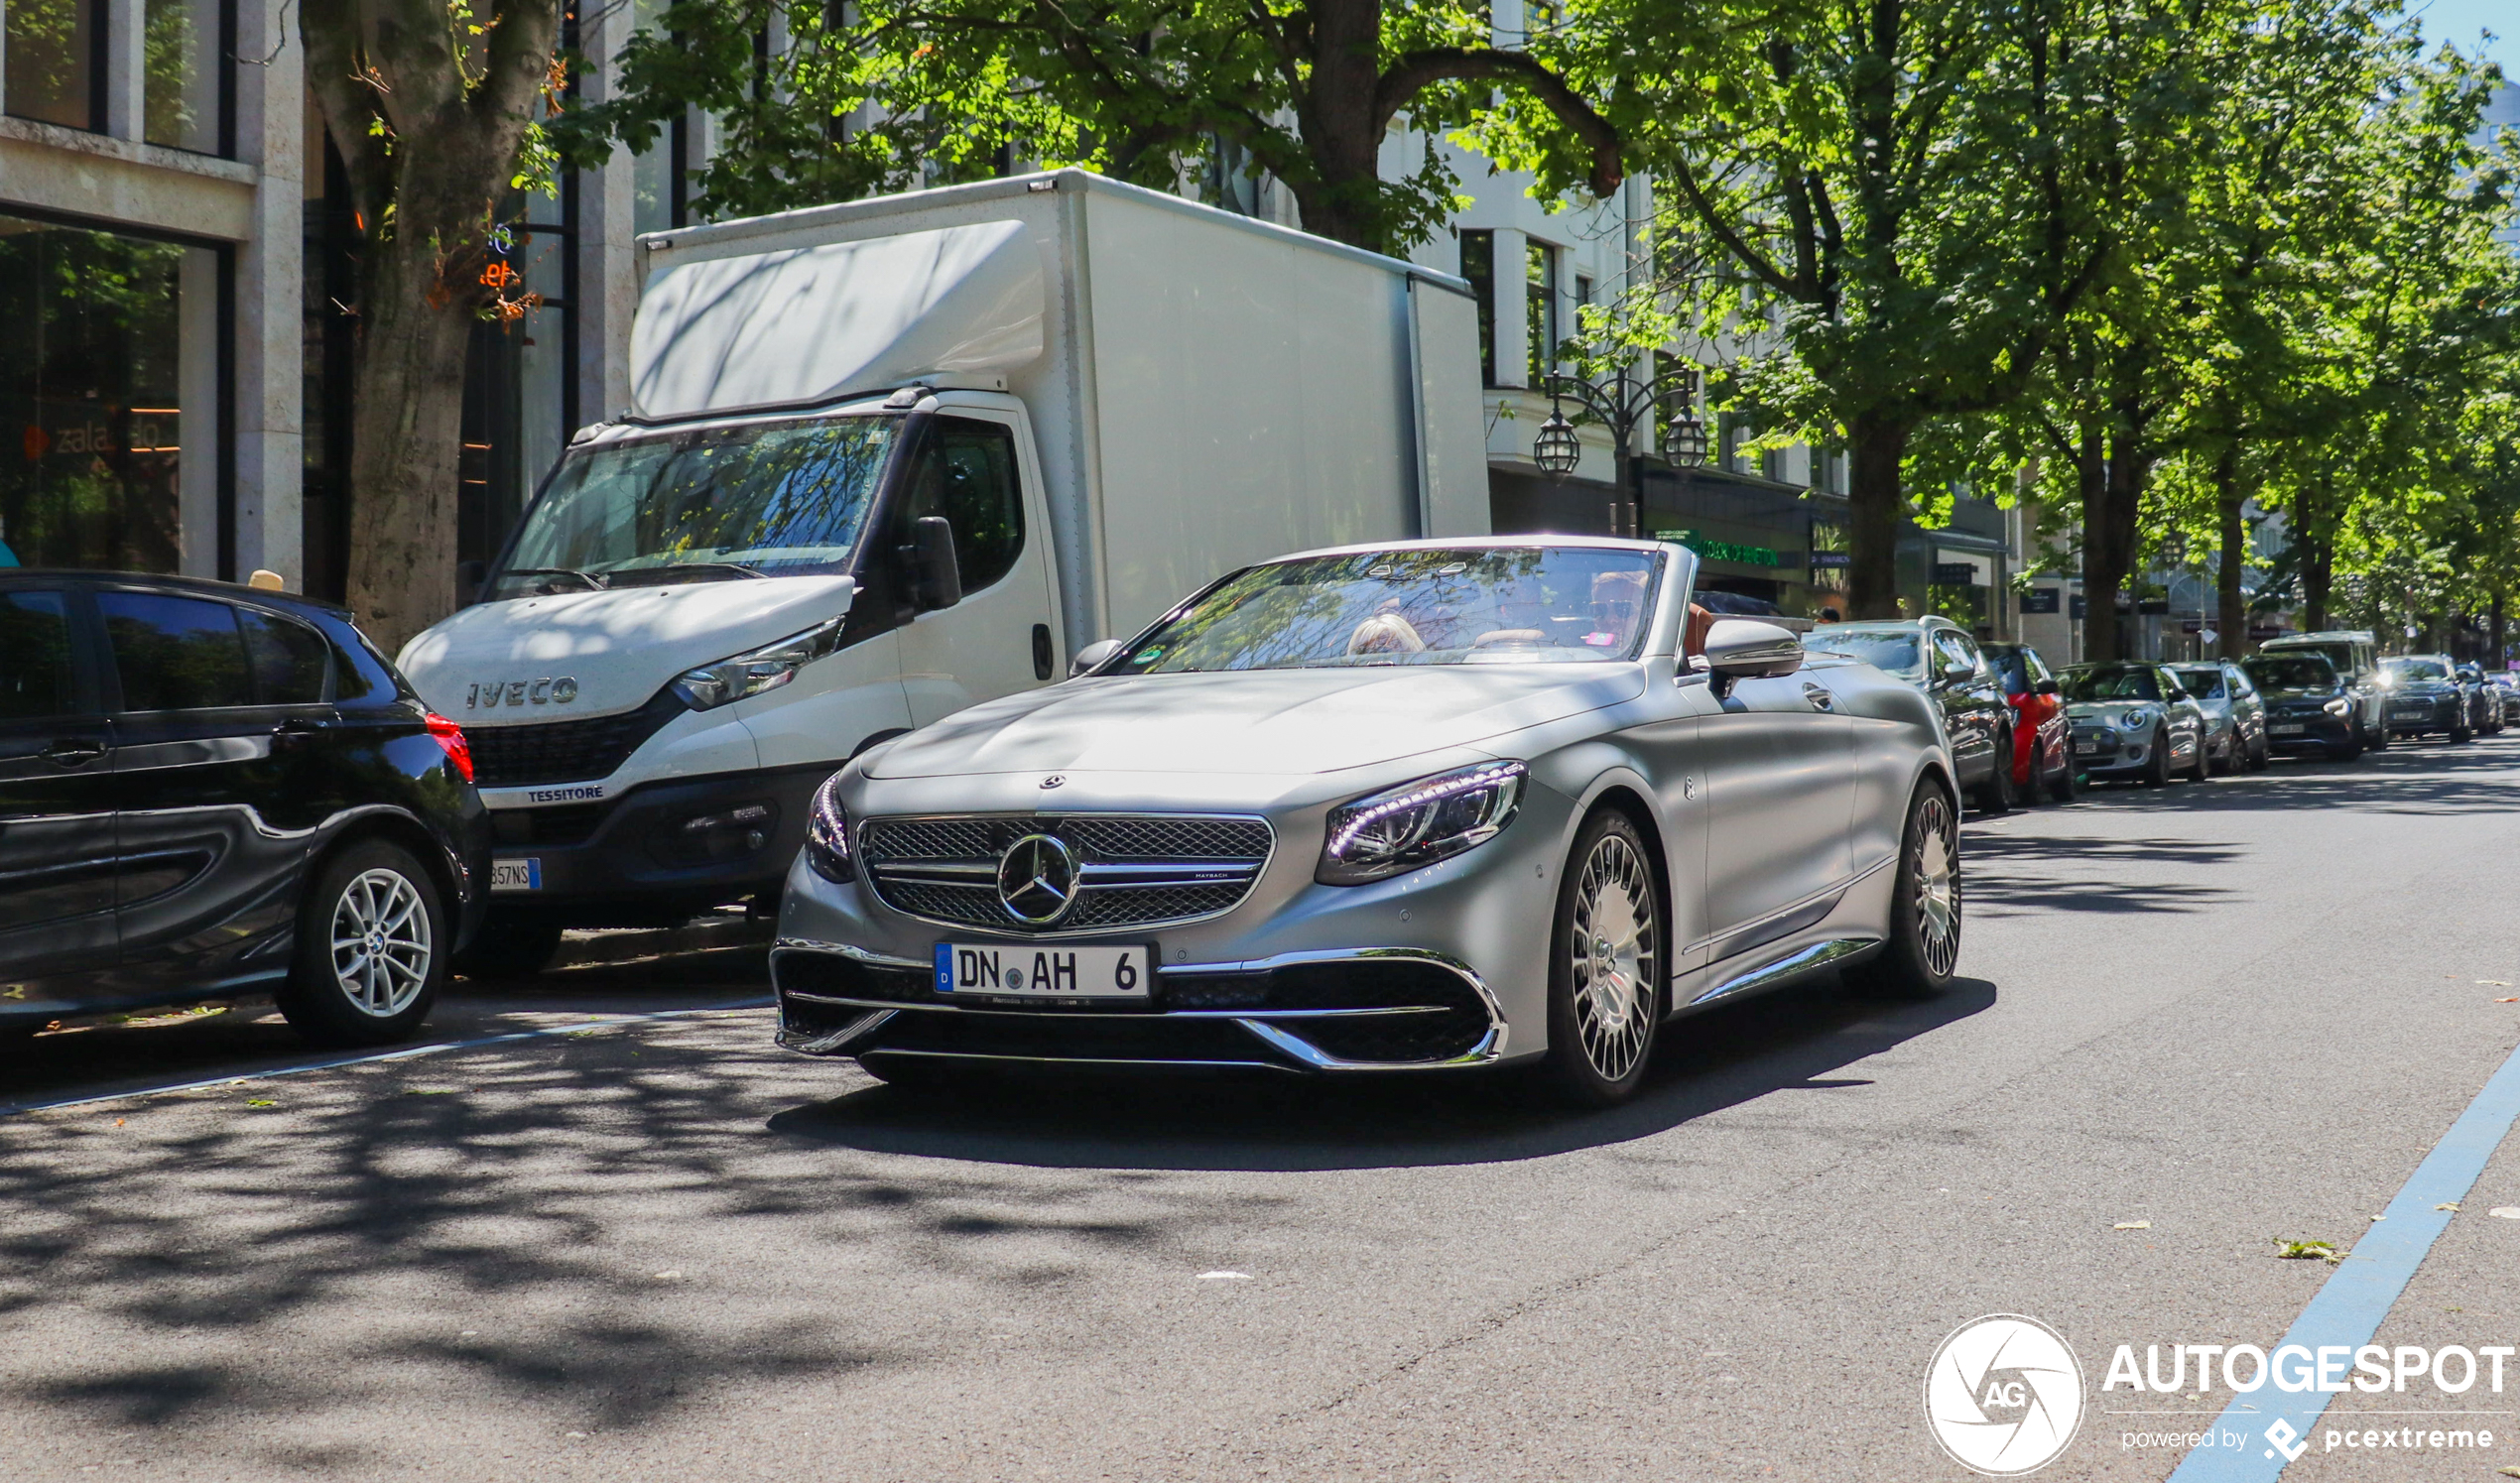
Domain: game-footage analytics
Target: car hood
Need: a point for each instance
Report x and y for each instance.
(619, 646)
(1255, 721)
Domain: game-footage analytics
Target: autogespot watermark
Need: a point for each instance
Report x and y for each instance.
(2004, 1394)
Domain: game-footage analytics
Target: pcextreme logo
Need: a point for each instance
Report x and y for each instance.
(2004, 1394)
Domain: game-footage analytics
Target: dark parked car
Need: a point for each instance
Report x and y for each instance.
(2309, 705)
(209, 791)
(2425, 695)
(2042, 738)
(2355, 655)
(1937, 657)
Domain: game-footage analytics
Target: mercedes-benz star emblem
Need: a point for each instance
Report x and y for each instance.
(1037, 880)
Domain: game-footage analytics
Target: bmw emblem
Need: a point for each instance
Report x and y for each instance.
(1037, 880)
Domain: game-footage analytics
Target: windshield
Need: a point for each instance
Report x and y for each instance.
(2011, 669)
(2338, 655)
(2110, 682)
(2203, 681)
(1892, 651)
(2308, 672)
(707, 504)
(2415, 669)
(1520, 605)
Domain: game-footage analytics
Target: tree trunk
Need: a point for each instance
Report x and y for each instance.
(2108, 545)
(2232, 605)
(405, 445)
(2318, 569)
(1877, 445)
(1341, 130)
(2496, 657)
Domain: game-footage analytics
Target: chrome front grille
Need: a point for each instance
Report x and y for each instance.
(1135, 870)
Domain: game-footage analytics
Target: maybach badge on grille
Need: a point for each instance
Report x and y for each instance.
(547, 690)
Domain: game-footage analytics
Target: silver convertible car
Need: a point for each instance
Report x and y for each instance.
(1375, 809)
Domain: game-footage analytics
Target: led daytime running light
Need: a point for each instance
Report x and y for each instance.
(1358, 821)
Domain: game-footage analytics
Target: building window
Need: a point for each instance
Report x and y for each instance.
(1540, 301)
(111, 396)
(185, 104)
(661, 174)
(55, 63)
(1230, 182)
(1478, 265)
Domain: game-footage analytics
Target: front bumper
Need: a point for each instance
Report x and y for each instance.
(1396, 1009)
(659, 853)
(1442, 967)
(2413, 714)
(2317, 729)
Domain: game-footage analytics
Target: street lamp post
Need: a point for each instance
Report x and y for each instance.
(1620, 403)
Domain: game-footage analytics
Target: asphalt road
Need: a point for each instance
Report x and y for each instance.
(657, 1248)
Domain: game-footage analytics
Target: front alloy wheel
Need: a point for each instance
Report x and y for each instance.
(1605, 972)
(1922, 943)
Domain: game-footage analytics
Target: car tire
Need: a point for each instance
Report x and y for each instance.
(2067, 782)
(2258, 754)
(2203, 770)
(2460, 735)
(1608, 957)
(2365, 741)
(2344, 751)
(1995, 795)
(2157, 767)
(2034, 791)
(509, 947)
(1923, 946)
(373, 948)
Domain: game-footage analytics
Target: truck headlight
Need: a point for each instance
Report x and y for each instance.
(827, 836)
(751, 673)
(1419, 824)
(2339, 708)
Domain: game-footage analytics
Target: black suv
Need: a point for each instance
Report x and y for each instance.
(209, 791)
(2309, 705)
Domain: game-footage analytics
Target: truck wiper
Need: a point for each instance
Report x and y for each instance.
(682, 571)
(593, 582)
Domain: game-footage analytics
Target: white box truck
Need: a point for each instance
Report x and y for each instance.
(889, 458)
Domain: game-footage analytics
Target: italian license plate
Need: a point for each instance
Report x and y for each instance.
(516, 875)
(2288, 728)
(1045, 972)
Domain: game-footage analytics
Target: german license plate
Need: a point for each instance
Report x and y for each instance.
(2413, 712)
(516, 875)
(2088, 748)
(1045, 972)
(2288, 728)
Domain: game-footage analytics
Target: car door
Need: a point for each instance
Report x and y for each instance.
(1972, 703)
(1779, 761)
(217, 793)
(1003, 635)
(57, 813)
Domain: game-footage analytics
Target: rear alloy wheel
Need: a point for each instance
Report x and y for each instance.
(1994, 796)
(1923, 946)
(1605, 965)
(371, 949)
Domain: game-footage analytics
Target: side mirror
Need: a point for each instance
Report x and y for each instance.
(1092, 655)
(1741, 649)
(2043, 687)
(2176, 694)
(469, 576)
(933, 566)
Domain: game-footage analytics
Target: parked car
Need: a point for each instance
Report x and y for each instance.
(2355, 655)
(2307, 704)
(2235, 719)
(1939, 658)
(2427, 697)
(2506, 688)
(2133, 722)
(1390, 807)
(2042, 737)
(2485, 700)
(213, 791)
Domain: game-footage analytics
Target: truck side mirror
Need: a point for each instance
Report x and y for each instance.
(1092, 655)
(933, 566)
(469, 576)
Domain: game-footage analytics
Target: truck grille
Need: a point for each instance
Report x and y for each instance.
(564, 751)
(1138, 870)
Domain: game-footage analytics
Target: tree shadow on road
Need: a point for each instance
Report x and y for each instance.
(2010, 875)
(2408, 778)
(1790, 1040)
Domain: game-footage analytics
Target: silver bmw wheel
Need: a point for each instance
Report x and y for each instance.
(1614, 957)
(381, 943)
(1935, 872)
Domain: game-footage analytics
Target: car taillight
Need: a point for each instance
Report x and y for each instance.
(450, 737)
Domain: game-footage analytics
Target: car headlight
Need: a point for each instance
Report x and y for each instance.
(2135, 721)
(755, 670)
(2339, 706)
(1419, 824)
(827, 836)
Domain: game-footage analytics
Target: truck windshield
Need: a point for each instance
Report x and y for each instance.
(1515, 605)
(702, 504)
